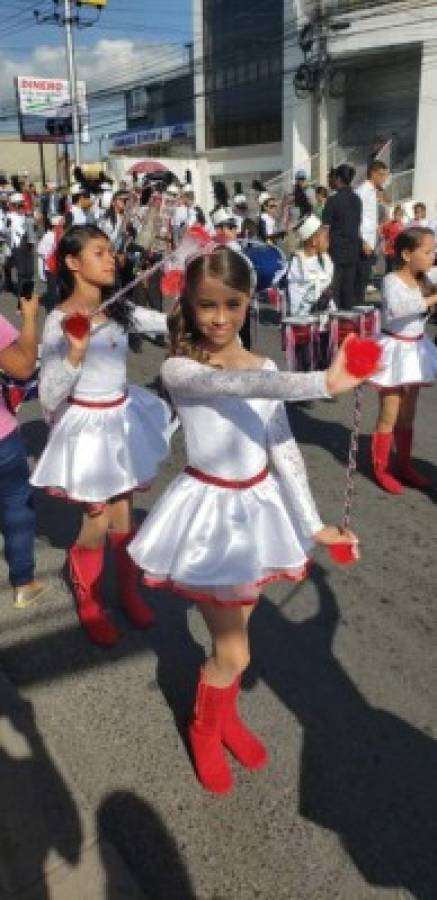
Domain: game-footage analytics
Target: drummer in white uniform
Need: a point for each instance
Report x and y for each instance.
(308, 276)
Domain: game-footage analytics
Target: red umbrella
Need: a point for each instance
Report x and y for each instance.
(147, 167)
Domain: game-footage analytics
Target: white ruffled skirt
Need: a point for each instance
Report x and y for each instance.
(222, 545)
(95, 454)
(406, 362)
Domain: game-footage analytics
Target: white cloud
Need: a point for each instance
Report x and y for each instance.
(106, 63)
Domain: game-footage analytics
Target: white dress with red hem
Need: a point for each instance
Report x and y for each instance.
(106, 438)
(409, 356)
(221, 542)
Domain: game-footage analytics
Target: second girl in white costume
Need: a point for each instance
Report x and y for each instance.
(241, 514)
(106, 439)
(409, 357)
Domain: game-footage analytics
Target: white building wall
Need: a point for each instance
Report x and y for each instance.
(394, 26)
(425, 178)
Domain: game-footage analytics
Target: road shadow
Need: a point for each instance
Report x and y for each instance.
(37, 812)
(365, 774)
(172, 641)
(146, 846)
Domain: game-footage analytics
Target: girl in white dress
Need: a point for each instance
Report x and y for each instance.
(409, 357)
(241, 514)
(106, 438)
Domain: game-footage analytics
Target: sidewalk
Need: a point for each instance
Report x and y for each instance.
(50, 845)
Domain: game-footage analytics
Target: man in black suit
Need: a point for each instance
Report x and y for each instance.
(342, 213)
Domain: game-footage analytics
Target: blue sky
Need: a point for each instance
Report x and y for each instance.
(132, 38)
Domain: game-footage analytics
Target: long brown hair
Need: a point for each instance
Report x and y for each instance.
(410, 239)
(232, 269)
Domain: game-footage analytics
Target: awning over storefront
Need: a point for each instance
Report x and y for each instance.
(147, 167)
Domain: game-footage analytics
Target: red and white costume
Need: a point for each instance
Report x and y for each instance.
(409, 356)
(107, 438)
(242, 513)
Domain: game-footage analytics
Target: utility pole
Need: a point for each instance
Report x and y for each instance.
(67, 20)
(71, 69)
(323, 92)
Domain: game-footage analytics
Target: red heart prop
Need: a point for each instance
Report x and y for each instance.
(362, 356)
(77, 325)
(173, 283)
(343, 554)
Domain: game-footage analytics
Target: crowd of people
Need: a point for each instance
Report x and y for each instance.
(241, 514)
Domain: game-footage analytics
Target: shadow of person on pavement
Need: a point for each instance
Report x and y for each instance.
(145, 845)
(37, 812)
(172, 641)
(365, 774)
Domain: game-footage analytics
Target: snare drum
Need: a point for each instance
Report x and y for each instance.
(341, 324)
(267, 261)
(301, 342)
(370, 325)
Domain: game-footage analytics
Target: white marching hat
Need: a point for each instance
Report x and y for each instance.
(173, 189)
(187, 189)
(263, 197)
(309, 227)
(222, 216)
(16, 198)
(240, 200)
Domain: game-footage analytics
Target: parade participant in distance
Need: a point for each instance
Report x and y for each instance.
(409, 357)
(186, 214)
(107, 439)
(228, 525)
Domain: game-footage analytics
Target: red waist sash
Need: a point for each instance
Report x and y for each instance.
(224, 482)
(98, 404)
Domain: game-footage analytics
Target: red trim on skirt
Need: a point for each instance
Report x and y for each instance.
(104, 404)
(201, 597)
(224, 482)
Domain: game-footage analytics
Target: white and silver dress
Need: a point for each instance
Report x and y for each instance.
(106, 438)
(241, 514)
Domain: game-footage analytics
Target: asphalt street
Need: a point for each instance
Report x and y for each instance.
(342, 688)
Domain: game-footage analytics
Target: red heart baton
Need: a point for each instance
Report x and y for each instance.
(362, 356)
(77, 325)
(343, 554)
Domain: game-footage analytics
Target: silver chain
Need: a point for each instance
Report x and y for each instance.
(353, 456)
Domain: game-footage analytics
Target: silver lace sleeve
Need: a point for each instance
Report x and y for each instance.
(287, 461)
(186, 378)
(149, 321)
(57, 376)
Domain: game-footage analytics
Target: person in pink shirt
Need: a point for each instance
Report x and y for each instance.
(18, 352)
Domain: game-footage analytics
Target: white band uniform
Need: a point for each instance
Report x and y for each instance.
(99, 447)
(409, 357)
(221, 544)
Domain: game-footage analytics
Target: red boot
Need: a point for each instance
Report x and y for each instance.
(131, 600)
(204, 734)
(404, 443)
(249, 751)
(85, 568)
(381, 447)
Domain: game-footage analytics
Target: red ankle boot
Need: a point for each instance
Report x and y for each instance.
(381, 448)
(131, 600)
(204, 734)
(404, 443)
(247, 749)
(85, 568)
